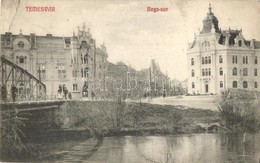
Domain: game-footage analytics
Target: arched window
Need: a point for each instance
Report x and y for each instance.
(192, 73)
(245, 72)
(209, 60)
(221, 84)
(256, 85)
(206, 72)
(192, 61)
(206, 60)
(193, 85)
(233, 59)
(244, 60)
(20, 44)
(220, 71)
(234, 71)
(236, 58)
(25, 60)
(202, 60)
(220, 59)
(203, 72)
(209, 72)
(256, 60)
(245, 84)
(255, 72)
(234, 84)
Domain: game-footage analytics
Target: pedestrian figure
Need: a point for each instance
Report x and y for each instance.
(14, 91)
(65, 92)
(4, 93)
(70, 97)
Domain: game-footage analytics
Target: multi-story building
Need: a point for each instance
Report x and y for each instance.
(74, 62)
(222, 59)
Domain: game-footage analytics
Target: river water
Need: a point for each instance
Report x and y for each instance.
(195, 148)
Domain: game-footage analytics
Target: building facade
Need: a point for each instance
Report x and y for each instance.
(73, 62)
(222, 59)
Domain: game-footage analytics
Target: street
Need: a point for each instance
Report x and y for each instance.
(202, 102)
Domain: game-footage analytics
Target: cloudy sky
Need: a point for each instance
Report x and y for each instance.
(132, 34)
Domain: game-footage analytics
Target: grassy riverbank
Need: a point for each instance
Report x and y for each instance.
(82, 120)
(110, 118)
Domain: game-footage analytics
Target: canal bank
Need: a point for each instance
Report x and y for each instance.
(77, 121)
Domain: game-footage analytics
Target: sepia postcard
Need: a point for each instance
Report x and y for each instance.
(130, 81)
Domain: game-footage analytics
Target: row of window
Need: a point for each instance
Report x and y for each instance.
(21, 59)
(234, 84)
(207, 72)
(245, 84)
(207, 60)
(245, 72)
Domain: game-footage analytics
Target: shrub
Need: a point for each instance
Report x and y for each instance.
(238, 111)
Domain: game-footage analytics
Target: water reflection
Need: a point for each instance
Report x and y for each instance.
(208, 148)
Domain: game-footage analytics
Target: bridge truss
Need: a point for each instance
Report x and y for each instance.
(19, 85)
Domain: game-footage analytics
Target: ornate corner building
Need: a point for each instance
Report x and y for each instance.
(72, 62)
(222, 59)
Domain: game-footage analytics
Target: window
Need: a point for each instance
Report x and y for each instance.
(193, 85)
(192, 60)
(255, 85)
(61, 71)
(255, 72)
(86, 72)
(245, 72)
(43, 74)
(209, 72)
(239, 43)
(203, 72)
(192, 73)
(206, 71)
(74, 73)
(221, 71)
(205, 45)
(206, 60)
(75, 87)
(256, 60)
(220, 59)
(245, 84)
(20, 44)
(221, 84)
(21, 59)
(234, 59)
(235, 71)
(234, 84)
(209, 60)
(245, 60)
(202, 60)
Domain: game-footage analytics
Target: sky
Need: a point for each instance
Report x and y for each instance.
(133, 35)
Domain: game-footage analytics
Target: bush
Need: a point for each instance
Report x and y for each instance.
(12, 145)
(238, 111)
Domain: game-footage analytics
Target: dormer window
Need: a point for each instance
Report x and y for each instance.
(240, 43)
(205, 45)
(20, 44)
